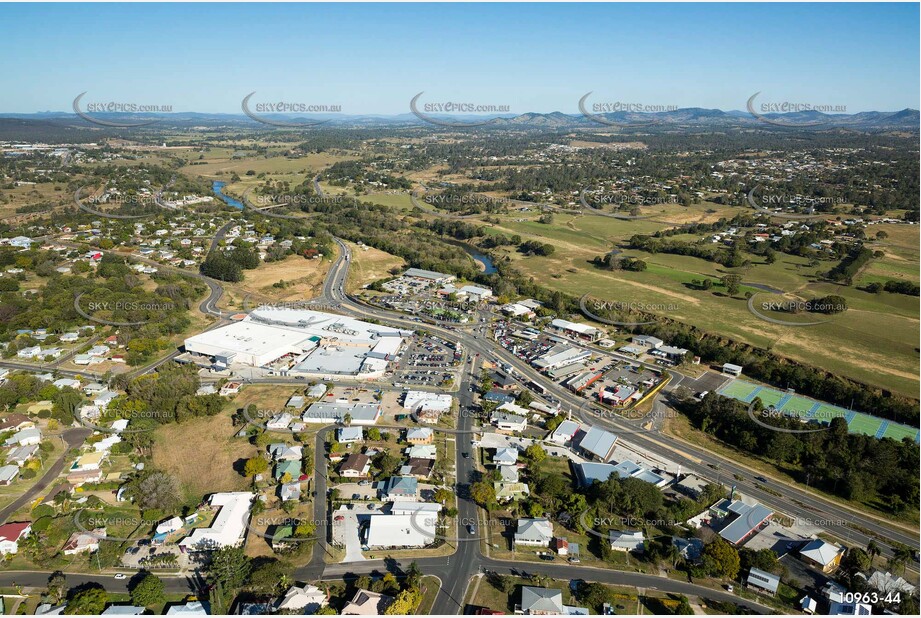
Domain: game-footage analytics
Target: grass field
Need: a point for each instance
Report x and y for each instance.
(873, 342)
(857, 422)
(369, 265)
(178, 451)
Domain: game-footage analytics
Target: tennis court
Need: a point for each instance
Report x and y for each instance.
(857, 422)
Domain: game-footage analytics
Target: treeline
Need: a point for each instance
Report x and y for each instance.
(229, 265)
(728, 257)
(848, 267)
(610, 261)
(895, 287)
(853, 466)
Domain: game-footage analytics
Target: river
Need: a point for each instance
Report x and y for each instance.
(217, 187)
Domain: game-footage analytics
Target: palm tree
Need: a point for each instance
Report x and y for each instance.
(873, 550)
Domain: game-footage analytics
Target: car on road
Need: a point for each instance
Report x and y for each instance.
(730, 588)
(761, 478)
(466, 455)
(471, 529)
(120, 576)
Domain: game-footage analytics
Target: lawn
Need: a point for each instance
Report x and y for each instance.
(369, 265)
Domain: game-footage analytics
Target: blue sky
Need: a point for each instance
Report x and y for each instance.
(372, 58)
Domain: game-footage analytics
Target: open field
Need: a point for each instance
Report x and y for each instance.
(369, 265)
(874, 341)
(178, 451)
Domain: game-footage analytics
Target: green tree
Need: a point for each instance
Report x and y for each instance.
(230, 567)
(147, 590)
(483, 493)
(721, 559)
(255, 465)
(57, 586)
(90, 600)
(535, 453)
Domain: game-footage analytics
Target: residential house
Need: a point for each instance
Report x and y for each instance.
(355, 465)
(534, 532)
(11, 534)
(81, 542)
(420, 435)
(367, 603)
(762, 581)
(419, 468)
(822, 554)
(348, 435)
(305, 599)
(537, 601)
(400, 488)
(627, 540)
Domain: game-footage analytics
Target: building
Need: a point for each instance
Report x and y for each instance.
(744, 520)
(427, 406)
(189, 608)
(564, 433)
(475, 293)
(367, 603)
(762, 581)
(316, 391)
(229, 527)
(732, 370)
(627, 540)
(422, 451)
(288, 467)
(534, 532)
(508, 422)
(25, 437)
(598, 444)
(510, 490)
(429, 276)
(11, 534)
(546, 602)
(280, 451)
(589, 472)
(420, 435)
(400, 488)
(418, 468)
(355, 465)
(303, 342)
(123, 610)
(821, 554)
(887, 583)
(8, 474)
(576, 330)
(305, 599)
(83, 542)
(348, 435)
(401, 531)
(561, 355)
(646, 341)
(850, 609)
(505, 457)
(691, 486)
(334, 412)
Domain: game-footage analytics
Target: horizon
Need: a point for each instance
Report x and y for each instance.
(371, 60)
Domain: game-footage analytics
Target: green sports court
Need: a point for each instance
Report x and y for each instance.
(857, 422)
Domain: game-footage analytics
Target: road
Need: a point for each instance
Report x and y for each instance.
(72, 438)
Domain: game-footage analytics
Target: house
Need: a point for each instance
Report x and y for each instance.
(560, 545)
(507, 422)
(279, 421)
(348, 435)
(316, 391)
(296, 401)
(627, 540)
(170, 525)
(405, 507)
(887, 583)
(564, 433)
(11, 534)
(25, 437)
(290, 467)
(302, 600)
(367, 603)
(422, 451)
(104, 398)
(66, 383)
(507, 491)
(508, 474)
(537, 601)
(289, 491)
(598, 444)
(123, 610)
(534, 532)
(420, 435)
(850, 609)
(399, 488)
(189, 608)
(230, 388)
(762, 581)
(691, 486)
(401, 531)
(15, 422)
(89, 461)
(808, 605)
(8, 474)
(81, 542)
(821, 554)
(690, 550)
(505, 457)
(229, 527)
(497, 395)
(21, 454)
(355, 465)
(419, 468)
(78, 478)
(280, 451)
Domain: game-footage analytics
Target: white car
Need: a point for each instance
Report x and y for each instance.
(120, 576)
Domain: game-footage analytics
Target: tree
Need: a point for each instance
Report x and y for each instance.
(535, 453)
(57, 586)
(147, 590)
(595, 595)
(374, 434)
(721, 559)
(268, 577)
(90, 600)
(443, 495)
(230, 567)
(732, 283)
(255, 465)
(483, 493)
(405, 603)
(156, 490)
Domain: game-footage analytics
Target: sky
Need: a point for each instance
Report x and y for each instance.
(373, 58)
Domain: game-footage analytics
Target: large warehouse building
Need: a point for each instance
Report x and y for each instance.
(299, 341)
